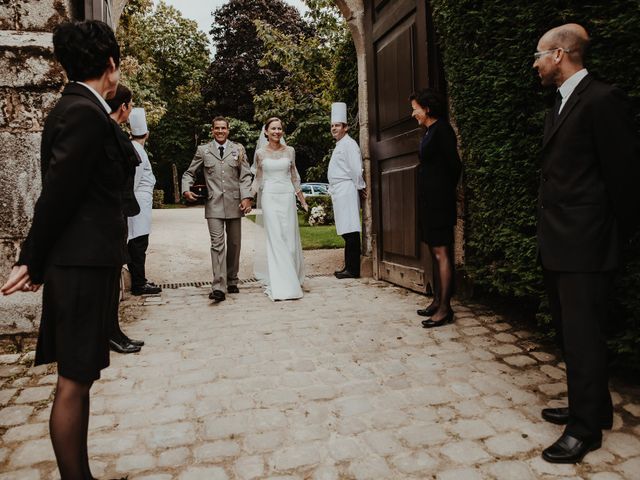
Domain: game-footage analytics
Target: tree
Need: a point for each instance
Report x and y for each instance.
(235, 74)
(165, 58)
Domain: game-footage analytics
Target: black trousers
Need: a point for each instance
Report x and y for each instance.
(578, 303)
(137, 248)
(352, 252)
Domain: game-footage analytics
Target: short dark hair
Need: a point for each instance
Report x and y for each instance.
(84, 48)
(431, 99)
(220, 118)
(122, 96)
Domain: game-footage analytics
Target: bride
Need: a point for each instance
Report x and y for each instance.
(276, 184)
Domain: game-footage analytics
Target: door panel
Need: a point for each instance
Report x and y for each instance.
(394, 77)
(399, 61)
(98, 10)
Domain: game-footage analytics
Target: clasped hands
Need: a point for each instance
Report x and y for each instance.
(245, 204)
(19, 281)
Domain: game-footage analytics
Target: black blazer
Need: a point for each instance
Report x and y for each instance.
(78, 218)
(438, 175)
(130, 205)
(590, 159)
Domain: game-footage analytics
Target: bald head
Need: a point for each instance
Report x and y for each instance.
(571, 37)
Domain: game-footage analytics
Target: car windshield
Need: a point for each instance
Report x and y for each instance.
(320, 188)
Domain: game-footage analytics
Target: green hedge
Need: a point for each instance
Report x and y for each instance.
(498, 106)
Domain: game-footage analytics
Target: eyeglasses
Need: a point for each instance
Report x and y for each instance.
(538, 55)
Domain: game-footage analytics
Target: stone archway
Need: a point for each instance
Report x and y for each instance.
(353, 11)
(30, 82)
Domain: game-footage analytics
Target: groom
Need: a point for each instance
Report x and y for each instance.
(228, 178)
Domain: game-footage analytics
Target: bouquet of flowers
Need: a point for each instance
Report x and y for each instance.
(317, 216)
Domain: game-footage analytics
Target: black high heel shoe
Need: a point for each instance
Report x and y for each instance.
(427, 312)
(429, 323)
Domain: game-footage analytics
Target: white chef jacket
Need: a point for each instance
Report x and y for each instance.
(143, 184)
(345, 179)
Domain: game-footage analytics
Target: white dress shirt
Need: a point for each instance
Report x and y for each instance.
(98, 96)
(569, 85)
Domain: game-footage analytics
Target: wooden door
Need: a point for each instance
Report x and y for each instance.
(401, 59)
(98, 10)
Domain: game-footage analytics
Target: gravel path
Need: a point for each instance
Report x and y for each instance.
(179, 249)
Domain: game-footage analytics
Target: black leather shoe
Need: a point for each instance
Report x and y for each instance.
(146, 289)
(137, 343)
(346, 274)
(560, 416)
(340, 271)
(233, 289)
(427, 312)
(123, 346)
(217, 296)
(568, 449)
(429, 323)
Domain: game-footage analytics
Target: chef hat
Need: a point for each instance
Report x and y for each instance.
(138, 122)
(339, 112)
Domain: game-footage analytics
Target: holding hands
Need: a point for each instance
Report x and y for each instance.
(245, 205)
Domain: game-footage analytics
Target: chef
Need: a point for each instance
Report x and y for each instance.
(347, 188)
(140, 225)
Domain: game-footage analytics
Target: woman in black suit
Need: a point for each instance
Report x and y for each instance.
(438, 175)
(75, 246)
(121, 104)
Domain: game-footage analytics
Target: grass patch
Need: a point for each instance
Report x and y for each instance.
(315, 238)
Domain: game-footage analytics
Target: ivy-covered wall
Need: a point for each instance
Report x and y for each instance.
(499, 106)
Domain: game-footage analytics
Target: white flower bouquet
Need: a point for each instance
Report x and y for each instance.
(317, 216)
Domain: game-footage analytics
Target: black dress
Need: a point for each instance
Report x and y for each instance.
(438, 176)
(76, 242)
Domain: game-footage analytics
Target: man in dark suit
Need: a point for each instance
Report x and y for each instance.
(590, 158)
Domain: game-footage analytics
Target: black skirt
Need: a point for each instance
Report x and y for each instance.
(437, 236)
(78, 309)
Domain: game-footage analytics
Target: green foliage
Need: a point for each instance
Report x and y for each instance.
(303, 98)
(235, 74)
(158, 199)
(345, 89)
(164, 60)
(498, 107)
(244, 133)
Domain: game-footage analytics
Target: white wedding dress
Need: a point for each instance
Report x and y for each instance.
(276, 183)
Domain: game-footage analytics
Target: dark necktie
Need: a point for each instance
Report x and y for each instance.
(221, 150)
(556, 106)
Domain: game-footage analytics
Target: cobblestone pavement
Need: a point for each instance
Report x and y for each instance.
(340, 384)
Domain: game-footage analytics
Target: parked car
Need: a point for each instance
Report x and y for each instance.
(314, 189)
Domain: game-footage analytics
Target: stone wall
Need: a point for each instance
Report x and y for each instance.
(30, 82)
